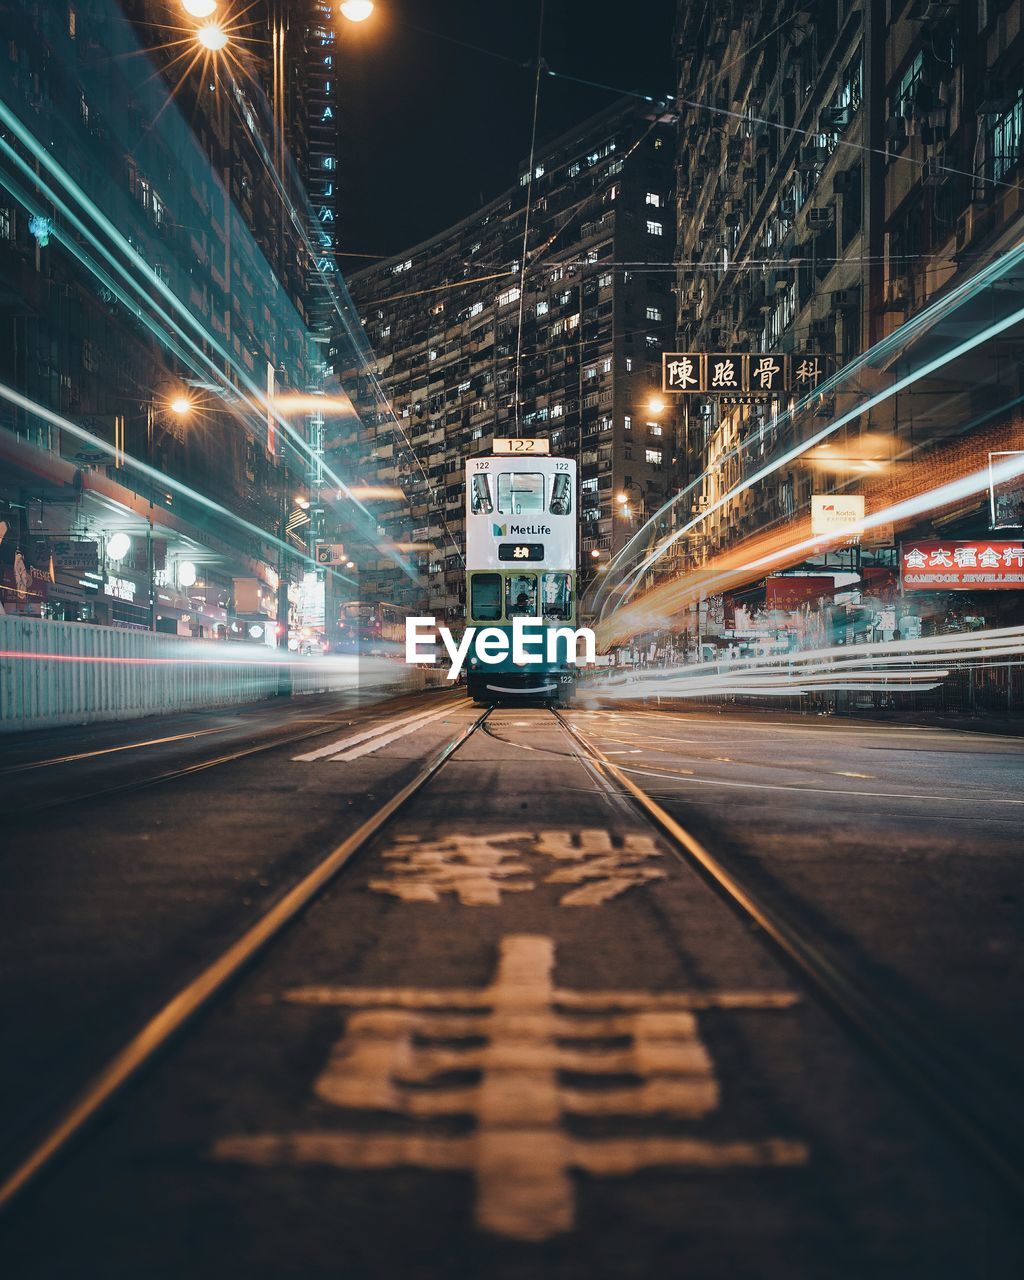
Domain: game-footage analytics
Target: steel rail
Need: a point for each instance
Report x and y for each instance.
(899, 1042)
(156, 1034)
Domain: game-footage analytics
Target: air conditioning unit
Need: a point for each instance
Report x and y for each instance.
(821, 216)
(934, 173)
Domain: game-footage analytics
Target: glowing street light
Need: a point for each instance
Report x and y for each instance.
(199, 8)
(180, 406)
(118, 546)
(357, 10)
(656, 405)
(186, 573)
(212, 37)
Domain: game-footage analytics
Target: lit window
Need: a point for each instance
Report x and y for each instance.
(651, 340)
(433, 353)
(543, 308)
(606, 364)
(510, 295)
(605, 281)
(386, 331)
(653, 199)
(572, 321)
(627, 423)
(653, 457)
(654, 313)
(654, 228)
(524, 178)
(629, 364)
(539, 171)
(655, 428)
(476, 308)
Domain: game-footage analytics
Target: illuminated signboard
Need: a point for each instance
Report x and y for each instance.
(962, 566)
(521, 551)
(740, 374)
(835, 513)
(119, 589)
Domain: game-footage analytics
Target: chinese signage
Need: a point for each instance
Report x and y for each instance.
(119, 589)
(835, 513)
(791, 593)
(962, 566)
(1006, 497)
(723, 373)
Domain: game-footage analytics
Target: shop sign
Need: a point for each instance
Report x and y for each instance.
(119, 589)
(75, 556)
(832, 513)
(790, 594)
(962, 566)
(724, 373)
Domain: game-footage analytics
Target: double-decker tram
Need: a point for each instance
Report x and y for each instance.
(521, 564)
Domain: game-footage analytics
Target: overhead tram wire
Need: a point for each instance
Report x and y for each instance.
(526, 220)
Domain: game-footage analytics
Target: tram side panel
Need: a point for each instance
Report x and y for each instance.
(521, 523)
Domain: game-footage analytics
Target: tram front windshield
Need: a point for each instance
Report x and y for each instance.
(521, 595)
(520, 492)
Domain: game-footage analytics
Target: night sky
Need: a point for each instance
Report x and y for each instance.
(432, 129)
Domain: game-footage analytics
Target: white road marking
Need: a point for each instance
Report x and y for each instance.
(362, 744)
(517, 1036)
(825, 791)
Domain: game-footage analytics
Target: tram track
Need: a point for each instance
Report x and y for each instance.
(929, 1073)
(183, 1008)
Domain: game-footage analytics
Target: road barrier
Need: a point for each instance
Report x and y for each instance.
(60, 673)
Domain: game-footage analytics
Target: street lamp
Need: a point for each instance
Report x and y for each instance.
(199, 8)
(656, 405)
(357, 10)
(180, 406)
(118, 546)
(212, 37)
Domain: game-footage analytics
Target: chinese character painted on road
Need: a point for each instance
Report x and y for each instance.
(602, 868)
(526, 1062)
(766, 373)
(474, 869)
(682, 373)
(725, 373)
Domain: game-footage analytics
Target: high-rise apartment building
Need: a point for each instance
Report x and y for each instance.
(470, 346)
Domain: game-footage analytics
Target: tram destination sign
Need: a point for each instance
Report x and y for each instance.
(739, 373)
(521, 551)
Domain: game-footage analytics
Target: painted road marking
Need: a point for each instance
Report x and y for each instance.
(362, 744)
(477, 870)
(517, 1037)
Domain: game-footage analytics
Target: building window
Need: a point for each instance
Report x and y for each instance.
(655, 428)
(605, 281)
(543, 308)
(655, 228)
(1004, 140)
(651, 340)
(654, 313)
(654, 200)
(627, 423)
(510, 295)
(386, 331)
(629, 364)
(652, 457)
(910, 82)
(6, 224)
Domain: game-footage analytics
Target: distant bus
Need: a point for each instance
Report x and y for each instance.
(372, 628)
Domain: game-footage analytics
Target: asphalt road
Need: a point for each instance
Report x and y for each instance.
(517, 1036)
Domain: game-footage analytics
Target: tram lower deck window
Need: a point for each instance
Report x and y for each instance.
(485, 597)
(521, 595)
(556, 596)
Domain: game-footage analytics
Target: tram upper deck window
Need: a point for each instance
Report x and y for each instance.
(520, 493)
(481, 502)
(485, 597)
(556, 596)
(561, 495)
(521, 595)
